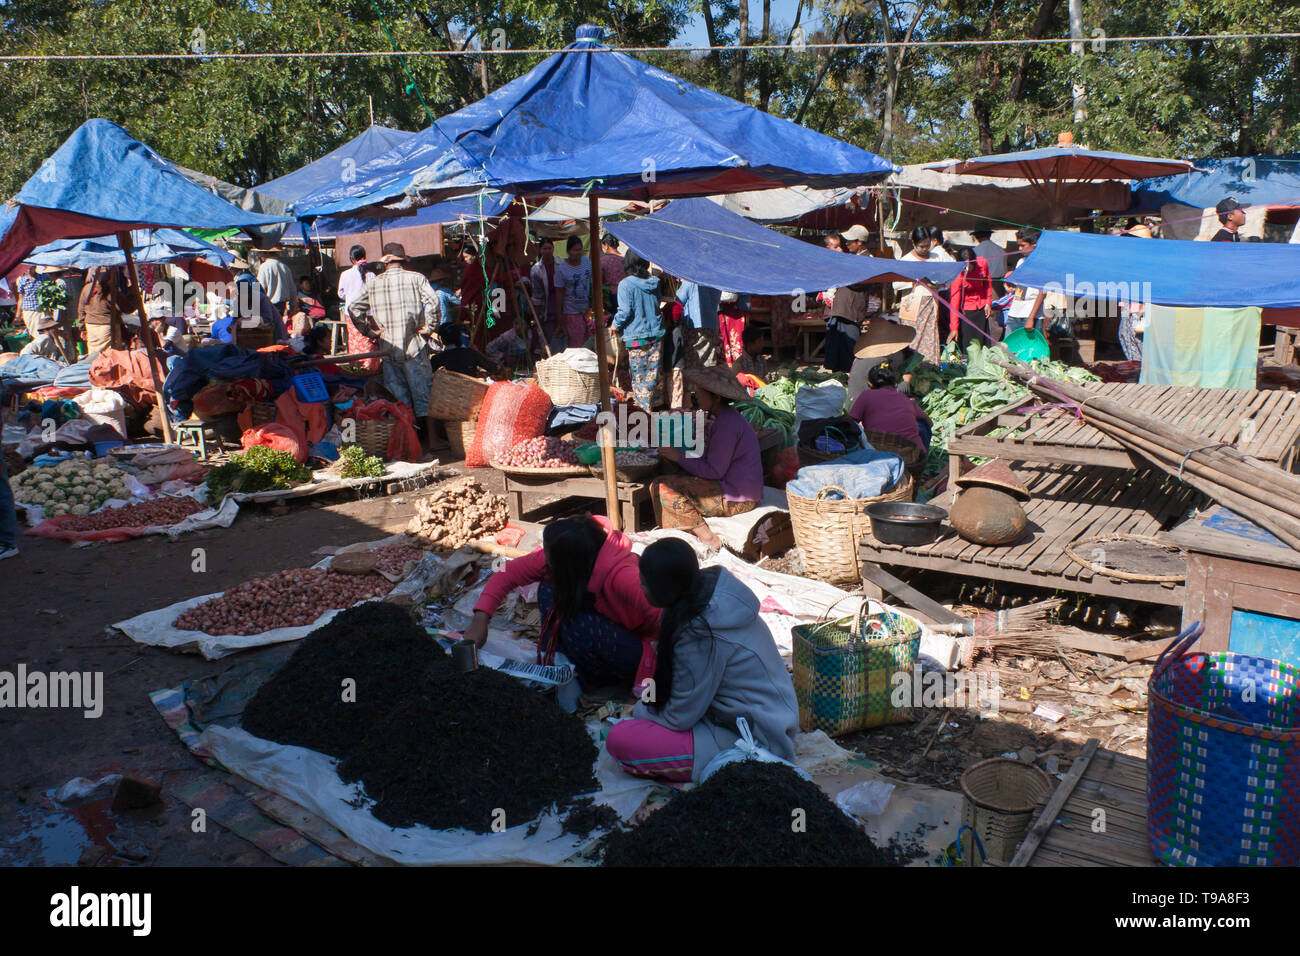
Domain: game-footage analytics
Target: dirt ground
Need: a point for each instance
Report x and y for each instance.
(60, 601)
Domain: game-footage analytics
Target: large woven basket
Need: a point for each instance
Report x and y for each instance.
(460, 435)
(373, 434)
(1223, 747)
(565, 385)
(827, 530)
(454, 397)
(1001, 798)
(845, 670)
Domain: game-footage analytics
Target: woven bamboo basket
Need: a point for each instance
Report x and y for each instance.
(460, 435)
(904, 448)
(455, 397)
(372, 435)
(827, 530)
(1001, 798)
(565, 386)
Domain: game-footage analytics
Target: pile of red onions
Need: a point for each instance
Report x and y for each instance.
(286, 599)
(541, 452)
(143, 514)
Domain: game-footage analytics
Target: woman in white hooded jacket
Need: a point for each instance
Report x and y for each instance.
(717, 662)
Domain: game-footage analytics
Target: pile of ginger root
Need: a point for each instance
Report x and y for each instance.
(458, 512)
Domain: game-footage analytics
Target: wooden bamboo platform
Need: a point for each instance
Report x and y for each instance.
(1068, 504)
(1080, 836)
(1056, 436)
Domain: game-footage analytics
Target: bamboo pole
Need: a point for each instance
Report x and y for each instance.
(602, 357)
(146, 333)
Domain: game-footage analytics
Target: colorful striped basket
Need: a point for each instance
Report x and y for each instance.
(1223, 758)
(844, 670)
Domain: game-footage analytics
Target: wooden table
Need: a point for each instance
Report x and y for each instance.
(1055, 436)
(1067, 505)
(812, 338)
(1244, 587)
(631, 494)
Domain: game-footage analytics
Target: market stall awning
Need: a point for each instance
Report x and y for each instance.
(698, 240)
(593, 121)
(148, 245)
(336, 166)
(1251, 180)
(102, 181)
(1165, 271)
(1060, 163)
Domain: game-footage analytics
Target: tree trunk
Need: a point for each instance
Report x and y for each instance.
(712, 34)
(1046, 11)
(742, 40)
(764, 64)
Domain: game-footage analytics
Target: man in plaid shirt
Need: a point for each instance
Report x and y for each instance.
(403, 309)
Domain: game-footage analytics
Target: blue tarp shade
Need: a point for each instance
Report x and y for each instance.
(1251, 180)
(101, 181)
(698, 240)
(584, 122)
(148, 245)
(453, 210)
(1165, 271)
(1067, 162)
(337, 166)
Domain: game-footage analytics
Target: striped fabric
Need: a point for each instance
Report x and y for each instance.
(1207, 348)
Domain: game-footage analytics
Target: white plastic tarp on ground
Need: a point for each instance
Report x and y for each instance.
(311, 780)
(157, 628)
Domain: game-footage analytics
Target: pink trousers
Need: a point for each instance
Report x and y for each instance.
(577, 329)
(646, 749)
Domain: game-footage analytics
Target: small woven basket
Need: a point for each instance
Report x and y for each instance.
(904, 448)
(1223, 745)
(565, 385)
(373, 434)
(827, 530)
(844, 670)
(455, 397)
(1001, 799)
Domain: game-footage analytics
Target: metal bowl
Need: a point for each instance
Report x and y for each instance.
(905, 523)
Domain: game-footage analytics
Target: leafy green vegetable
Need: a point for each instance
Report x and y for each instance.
(761, 415)
(357, 464)
(258, 469)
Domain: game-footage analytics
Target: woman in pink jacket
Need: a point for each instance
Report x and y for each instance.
(593, 609)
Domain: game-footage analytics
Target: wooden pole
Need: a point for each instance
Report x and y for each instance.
(146, 333)
(602, 357)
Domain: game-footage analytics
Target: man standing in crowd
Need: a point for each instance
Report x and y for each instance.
(276, 279)
(855, 240)
(403, 307)
(1232, 216)
(701, 344)
(995, 256)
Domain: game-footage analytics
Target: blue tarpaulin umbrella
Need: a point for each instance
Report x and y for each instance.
(596, 122)
(340, 165)
(148, 245)
(698, 240)
(101, 181)
(1054, 169)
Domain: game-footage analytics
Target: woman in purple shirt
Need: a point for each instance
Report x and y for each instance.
(883, 408)
(727, 479)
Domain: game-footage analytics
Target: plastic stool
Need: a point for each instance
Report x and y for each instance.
(197, 431)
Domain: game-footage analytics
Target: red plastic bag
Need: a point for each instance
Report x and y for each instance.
(510, 413)
(275, 436)
(404, 443)
(785, 467)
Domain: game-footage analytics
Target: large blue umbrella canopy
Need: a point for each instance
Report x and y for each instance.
(1251, 180)
(338, 166)
(1061, 163)
(593, 121)
(698, 240)
(148, 245)
(102, 181)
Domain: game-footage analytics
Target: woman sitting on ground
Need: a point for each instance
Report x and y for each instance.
(717, 662)
(593, 609)
(883, 408)
(727, 479)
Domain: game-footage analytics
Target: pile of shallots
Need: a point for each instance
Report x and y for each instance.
(286, 599)
(144, 514)
(541, 452)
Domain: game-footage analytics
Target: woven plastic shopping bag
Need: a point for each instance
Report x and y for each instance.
(844, 670)
(1223, 758)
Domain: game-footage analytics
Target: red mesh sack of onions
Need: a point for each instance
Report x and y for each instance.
(511, 413)
(293, 598)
